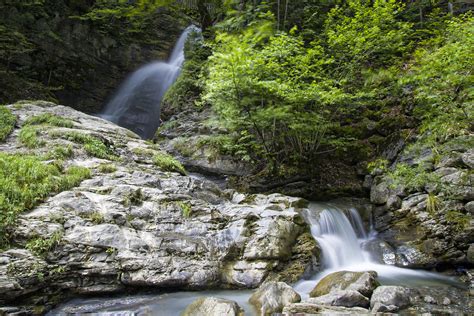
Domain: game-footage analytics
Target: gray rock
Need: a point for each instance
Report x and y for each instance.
(379, 193)
(470, 253)
(470, 207)
(306, 308)
(394, 203)
(212, 306)
(271, 297)
(362, 282)
(468, 158)
(391, 295)
(381, 308)
(346, 298)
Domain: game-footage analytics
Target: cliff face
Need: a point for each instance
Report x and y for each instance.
(59, 50)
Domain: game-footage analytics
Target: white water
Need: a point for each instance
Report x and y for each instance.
(136, 105)
(341, 235)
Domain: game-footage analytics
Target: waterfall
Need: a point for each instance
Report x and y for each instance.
(341, 236)
(136, 104)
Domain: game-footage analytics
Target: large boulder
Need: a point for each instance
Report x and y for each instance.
(346, 298)
(362, 282)
(390, 296)
(212, 306)
(271, 297)
(379, 193)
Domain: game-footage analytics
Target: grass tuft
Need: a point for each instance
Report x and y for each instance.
(168, 163)
(7, 122)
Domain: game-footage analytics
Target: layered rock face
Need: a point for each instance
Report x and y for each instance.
(432, 224)
(134, 225)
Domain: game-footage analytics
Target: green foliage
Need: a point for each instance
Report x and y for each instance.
(7, 122)
(413, 178)
(92, 145)
(458, 220)
(167, 163)
(49, 119)
(379, 164)
(107, 168)
(41, 246)
(366, 33)
(96, 217)
(60, 152)
(443, 84)
(25, 181)
(186, 209)
(433, 203)
(29, 137)
(135, 198)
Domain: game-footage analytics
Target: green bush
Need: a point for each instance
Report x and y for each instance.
(40, 246)
(60, 152)
(7, 122)
(168, 163)
(26, 181)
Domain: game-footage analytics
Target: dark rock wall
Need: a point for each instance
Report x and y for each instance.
(51, 52)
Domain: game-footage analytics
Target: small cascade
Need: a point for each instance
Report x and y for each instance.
(341, 235)
(136, 105)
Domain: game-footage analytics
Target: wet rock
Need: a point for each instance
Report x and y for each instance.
(346, 298)
(271, 297)
(212, 306)
(304, 308)
(362, 282)
(391, 295)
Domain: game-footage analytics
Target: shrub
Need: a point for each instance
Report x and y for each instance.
(7, 122)
(92, 145)
(60, 152)
(167, 163)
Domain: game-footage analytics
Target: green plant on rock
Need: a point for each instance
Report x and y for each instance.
(7, 122)
(135, 198)
(96, 218)
(107, 168)
(60, 152)
(378, 165)
(49, 119)
(458, 220)
(433, 203)
(29, 137)
(92, 145)
(413, 178)
(40, 245)
(168, 163)
(26, 181)
(186, 209)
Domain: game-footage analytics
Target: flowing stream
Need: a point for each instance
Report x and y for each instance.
(136, 104)
(341, 235)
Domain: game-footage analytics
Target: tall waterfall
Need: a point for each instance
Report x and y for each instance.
(341, 236)
(136, 104)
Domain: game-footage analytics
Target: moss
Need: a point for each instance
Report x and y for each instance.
(167, 163)
(49, 119)
(7, 122)
(29, 137)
